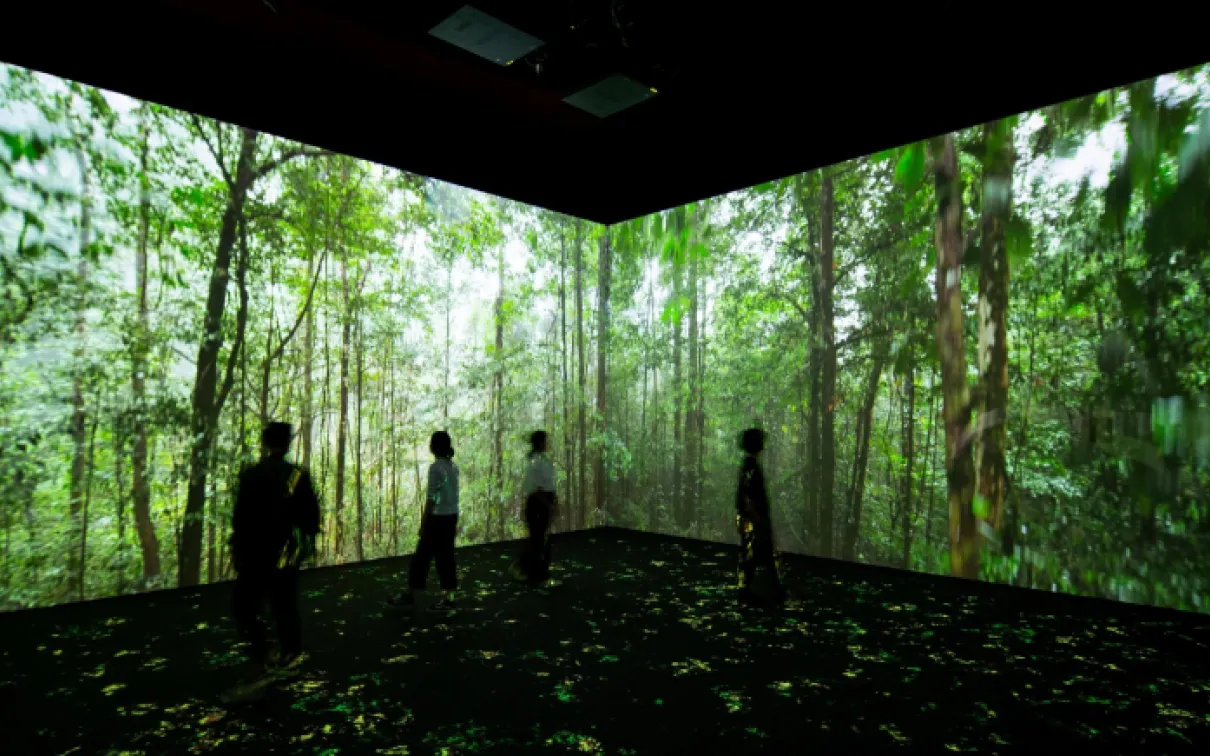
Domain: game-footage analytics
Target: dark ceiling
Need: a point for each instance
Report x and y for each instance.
(748, 91)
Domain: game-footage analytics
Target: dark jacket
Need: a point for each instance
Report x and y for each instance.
(276, 510)
(751, 496)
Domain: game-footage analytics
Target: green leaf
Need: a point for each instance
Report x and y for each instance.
(1018, 237)
(909, 171)
(980, 507)
(884, 156)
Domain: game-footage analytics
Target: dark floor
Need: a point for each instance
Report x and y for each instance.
(639, 650)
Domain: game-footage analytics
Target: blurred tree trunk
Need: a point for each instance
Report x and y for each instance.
(568, 495)
(677, 389)
(993, 333)
(582, 447)
(497, 470)
(342, 423)
(604, 271)
(140, 485)
(689, 494)
(908, 434)
(827, 395)
(359, 489)
(959, 464)
(79, 414)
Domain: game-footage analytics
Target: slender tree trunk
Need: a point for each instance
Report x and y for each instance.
(926, 481)
(119, 500)
(92, 445)
(357, 482)
(861, 454)
(569, 496)
(308, 420)
(909, 459)
(140, 484)
(677, 391)
(207, 400)
(604, 272)
(960, 470)
(827, 430)
(690, 492)
(449, 303)
(582, 447)
(497, 466)
(79, 414)
(645, 435)
(993, 333)
(342, 427)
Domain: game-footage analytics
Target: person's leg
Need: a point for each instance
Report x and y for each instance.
(285, 611)
(747, 566)
(418, 570)
(444, 533)
(246, 605)
(542, 547)
(533, 545)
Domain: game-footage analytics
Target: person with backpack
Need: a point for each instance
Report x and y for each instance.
(538, 489)
(752, 519)
(273, 531)
(438, 530)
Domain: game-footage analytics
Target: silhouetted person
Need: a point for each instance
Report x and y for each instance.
(273, 531)
(538, 489)
(753, 520)
(438, 528)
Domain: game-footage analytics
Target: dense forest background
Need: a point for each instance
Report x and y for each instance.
(984, 355)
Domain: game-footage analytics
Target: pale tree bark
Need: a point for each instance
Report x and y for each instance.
(140, 484)
(956, 406)
(993, 332)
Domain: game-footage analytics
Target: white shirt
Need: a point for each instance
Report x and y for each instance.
(539, 477)
(443, 487)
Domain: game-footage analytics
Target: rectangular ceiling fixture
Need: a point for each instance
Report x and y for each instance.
(490, 38)
(611, 95)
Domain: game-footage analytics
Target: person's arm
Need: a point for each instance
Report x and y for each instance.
(308, 516)
(239, 517)
(432, 495)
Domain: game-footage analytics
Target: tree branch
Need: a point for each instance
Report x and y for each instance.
(241, 320)
(302, 313)
(860, 336)
(287, 156)
(214, 151)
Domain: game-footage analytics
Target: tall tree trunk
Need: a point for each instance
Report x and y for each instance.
(690, 494)
(497, 472)
(827, 429)
(960, 469)
(449, 303)
(79, 414)
(342, 426)
(565, 420)
(861, 454)
(604, 272)
(207, 399)
(308, 421)
(993, 333)
(357, 480)
(88, 476)
(119, 500)
(677, 391)
(926, 480)
(909, 458)
(582, 447)
(140, 484)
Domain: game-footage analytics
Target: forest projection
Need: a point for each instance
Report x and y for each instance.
(170, 283)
